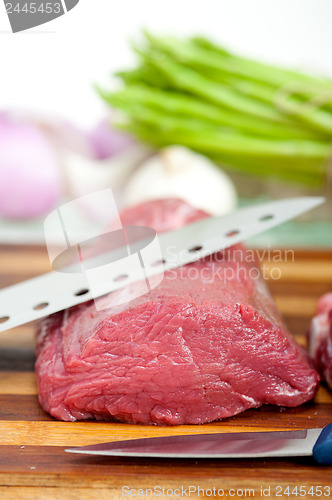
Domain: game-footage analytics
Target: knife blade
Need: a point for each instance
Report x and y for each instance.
(56, 291)
(299, 443)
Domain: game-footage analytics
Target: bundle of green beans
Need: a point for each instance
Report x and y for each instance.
(249, 116)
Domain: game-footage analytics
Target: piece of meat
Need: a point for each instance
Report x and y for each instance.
(206, 344)
(320, 337)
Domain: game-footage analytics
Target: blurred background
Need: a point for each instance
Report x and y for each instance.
(199, 118)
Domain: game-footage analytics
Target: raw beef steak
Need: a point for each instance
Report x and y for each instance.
(207, 343)
(320, 337)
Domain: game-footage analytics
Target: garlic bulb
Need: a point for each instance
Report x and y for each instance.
(85, 175)
(177, 172)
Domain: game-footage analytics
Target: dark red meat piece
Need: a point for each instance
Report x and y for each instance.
(207, 343)
(320, 337)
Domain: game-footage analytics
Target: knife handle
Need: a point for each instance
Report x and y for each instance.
(322, 451)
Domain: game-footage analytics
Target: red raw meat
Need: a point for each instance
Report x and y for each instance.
(206, 344)
(320, 337)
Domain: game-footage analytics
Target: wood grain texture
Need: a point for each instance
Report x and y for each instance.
(17, 383)
(34, 465)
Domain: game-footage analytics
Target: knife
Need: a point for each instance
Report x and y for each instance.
(300, 443)
(56, 291)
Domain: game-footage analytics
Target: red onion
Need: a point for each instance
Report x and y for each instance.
(107, 141)
(30, 180)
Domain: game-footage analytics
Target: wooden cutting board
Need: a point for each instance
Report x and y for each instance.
(33, 464)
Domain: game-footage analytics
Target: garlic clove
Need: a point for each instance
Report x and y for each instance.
(177, 172)
(84, 175)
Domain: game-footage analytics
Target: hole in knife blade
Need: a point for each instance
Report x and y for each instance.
(197, 248)
(234, 232)
(3, 319)
(158, 262)
(41, 306)
(84, 291)
(266, 217)
(121, 277)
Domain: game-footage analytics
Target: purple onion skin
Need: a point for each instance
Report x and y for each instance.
(30, 177)
(107, 142)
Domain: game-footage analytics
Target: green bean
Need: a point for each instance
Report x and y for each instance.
(254, 70)
(187, 106)
(216, 139)
(188, 80)
(281, 172)
(188, 53)
(250, 116)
